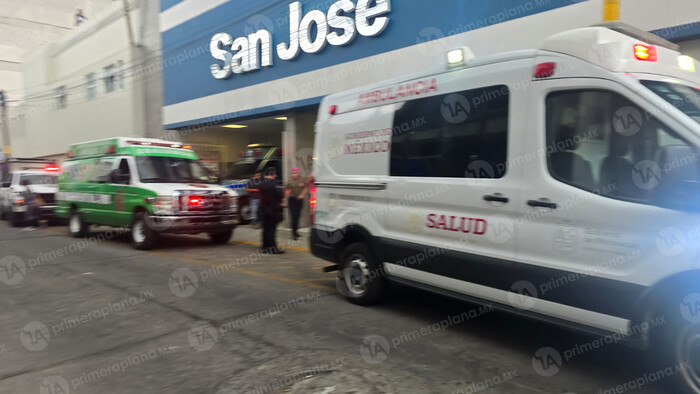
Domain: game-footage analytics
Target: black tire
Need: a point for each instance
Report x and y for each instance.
(16, 219)
(3, 214)
(143, 237)
(221, 237)
(672, 342)
(244, 214)
(360, 278)
(77, 227)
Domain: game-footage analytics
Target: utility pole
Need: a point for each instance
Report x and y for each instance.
(5, 126)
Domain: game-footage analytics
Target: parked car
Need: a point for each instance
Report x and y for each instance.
(257, 157)
(42, 176)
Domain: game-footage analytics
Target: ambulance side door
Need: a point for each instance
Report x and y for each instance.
(591, 237)
(453, 196)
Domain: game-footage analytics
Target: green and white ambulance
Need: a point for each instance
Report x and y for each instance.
(149, 185)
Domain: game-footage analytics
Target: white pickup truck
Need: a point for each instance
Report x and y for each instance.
(42, 181)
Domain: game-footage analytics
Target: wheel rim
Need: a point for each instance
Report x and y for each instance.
(356, 274)
(74, 223)
(689, 355)
(138, 233)
(246, 213)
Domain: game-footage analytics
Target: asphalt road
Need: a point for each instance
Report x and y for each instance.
(96, 316)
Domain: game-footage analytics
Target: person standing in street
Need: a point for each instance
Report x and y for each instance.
(270, 209)
(252, 188)
(294, 194)
(31, 216)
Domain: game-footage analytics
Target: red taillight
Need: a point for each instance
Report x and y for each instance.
(545, 70)
(333, 109)
(312, 203)
(111, 149)
(646, 53)
(195, 201)
(279, 152)
(242, 154)
(52, 168)
(258, 152)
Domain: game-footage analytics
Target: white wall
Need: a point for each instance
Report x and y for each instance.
(28, 26)
(43, 129)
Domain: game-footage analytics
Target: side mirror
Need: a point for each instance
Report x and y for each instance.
(679, 186)
(119, 178)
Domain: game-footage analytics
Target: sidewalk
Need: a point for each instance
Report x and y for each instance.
(251, 236)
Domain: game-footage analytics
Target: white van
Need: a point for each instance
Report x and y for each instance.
(560, 183)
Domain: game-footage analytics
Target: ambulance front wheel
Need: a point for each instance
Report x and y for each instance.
(143, 237)
(360, 278)
(77, 225)
(675, 342)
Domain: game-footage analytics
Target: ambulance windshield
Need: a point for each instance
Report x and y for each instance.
(683, 97)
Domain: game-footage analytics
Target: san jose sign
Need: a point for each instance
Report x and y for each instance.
(336, 27)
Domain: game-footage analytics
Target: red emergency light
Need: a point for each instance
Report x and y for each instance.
(52, 168)
(645, 53)
(195, 201)
(545, 70)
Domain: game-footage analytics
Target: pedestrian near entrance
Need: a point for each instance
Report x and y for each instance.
(252, 187)
(31, 216)
(270, 209)
(294, 194)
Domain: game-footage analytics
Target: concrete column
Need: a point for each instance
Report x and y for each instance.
(298, 143)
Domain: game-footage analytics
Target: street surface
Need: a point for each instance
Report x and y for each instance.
(96, 316)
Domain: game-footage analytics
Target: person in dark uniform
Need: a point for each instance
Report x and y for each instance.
(294, 193)
(270, 210)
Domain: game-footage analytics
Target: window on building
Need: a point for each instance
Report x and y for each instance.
(62, 97)
(91, 86)
(120, 77)
(457, 135)
(601, 142)
(110, 78)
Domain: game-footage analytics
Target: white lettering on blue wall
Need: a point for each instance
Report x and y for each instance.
(336, 27)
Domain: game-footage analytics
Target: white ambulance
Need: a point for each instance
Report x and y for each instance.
(560, 183)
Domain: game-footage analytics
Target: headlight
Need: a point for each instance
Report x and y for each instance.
(17, 198)
(233, 201)
(163, 206)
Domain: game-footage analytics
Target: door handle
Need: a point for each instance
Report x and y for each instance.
(496, 198)
(542, 203)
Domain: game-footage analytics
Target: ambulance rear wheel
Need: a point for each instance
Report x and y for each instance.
(76, 224)
(360, 279)
(143, 237)
(221, 238)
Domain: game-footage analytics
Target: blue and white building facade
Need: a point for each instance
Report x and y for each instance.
(263, 66)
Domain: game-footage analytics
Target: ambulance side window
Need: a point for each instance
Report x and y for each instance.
(603, 143)
(457, 135)
(101, 170)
